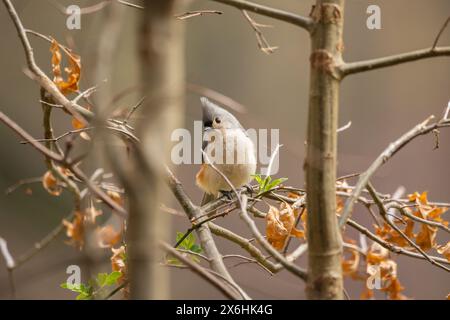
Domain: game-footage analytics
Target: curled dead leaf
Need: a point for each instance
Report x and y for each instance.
(118, 262)
(75, 229)
(73, 71)
(280, 224)
(426, 238)
(275, 231)
(444, 250)
(107, 237)
(387, 233)
(51, 184)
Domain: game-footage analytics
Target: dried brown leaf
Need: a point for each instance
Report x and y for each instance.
(51, 184)
(107, 237)
(73, 71)
(75, 229)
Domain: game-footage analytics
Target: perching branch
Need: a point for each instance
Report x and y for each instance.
(200, 271)
(204, 233)
(242, 199)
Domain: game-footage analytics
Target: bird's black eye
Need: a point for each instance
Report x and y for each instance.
(217, 120)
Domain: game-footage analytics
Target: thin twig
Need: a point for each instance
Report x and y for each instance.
(22, 182)
(296, 270)
(207, 242)
(132, 110)
(129, 4)
(77, 111)
(263, 44)
(246, 245)
(391, 247)
(419, 130)
(43, 243)
(383, 212)
(373, 64)
(289, 17)
(403, 211)
(436, 40)
(55, 139)
(200, 271)
(196, 13)
(65, 163)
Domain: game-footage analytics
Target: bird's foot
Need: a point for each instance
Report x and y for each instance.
(249, 189)
(228, 194)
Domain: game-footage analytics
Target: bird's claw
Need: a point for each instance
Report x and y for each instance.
(228, 194)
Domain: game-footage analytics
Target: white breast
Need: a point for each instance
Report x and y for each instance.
(234, 156)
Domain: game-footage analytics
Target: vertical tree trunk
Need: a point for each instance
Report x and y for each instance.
(324, 239)
(162, 76)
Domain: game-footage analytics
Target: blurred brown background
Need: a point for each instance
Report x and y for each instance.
(222, 54)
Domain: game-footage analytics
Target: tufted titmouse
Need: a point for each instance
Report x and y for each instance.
(230, 150)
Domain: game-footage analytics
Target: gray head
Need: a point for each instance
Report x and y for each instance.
(215, 117)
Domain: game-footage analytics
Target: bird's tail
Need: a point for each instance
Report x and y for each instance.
(207, 197)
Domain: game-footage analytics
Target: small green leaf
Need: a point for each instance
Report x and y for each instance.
(112, 278)
(101, 279)
(275, 183)
(84, 296)
(188, 242)
(258, 179)
(71, 287)
(196, 248)
(265, 183)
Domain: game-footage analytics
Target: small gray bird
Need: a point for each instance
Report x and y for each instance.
(238, 161)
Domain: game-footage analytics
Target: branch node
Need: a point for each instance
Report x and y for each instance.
(324, 61)
(326, 13)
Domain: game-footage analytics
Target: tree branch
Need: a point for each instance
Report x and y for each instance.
(76, 110)
(289, 17)
(384, 214)
(390, 246)
(200, 271)
(420, 129)
(404, 212)
(296, 270)
(204, 233)
(373, 64)
(65, 163)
